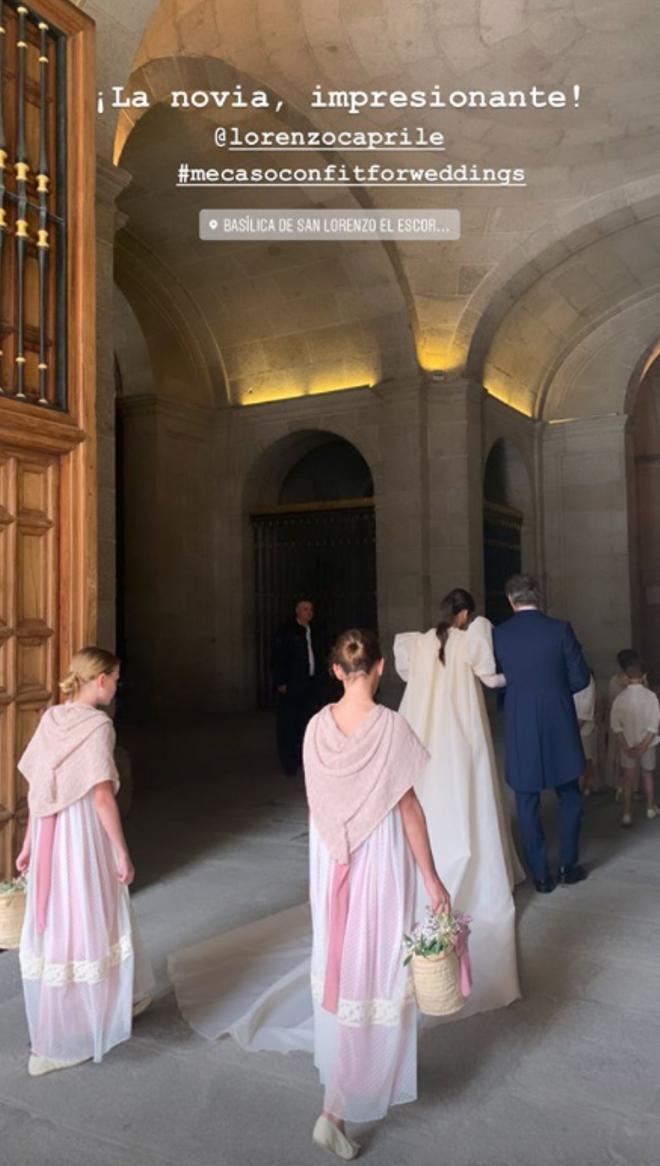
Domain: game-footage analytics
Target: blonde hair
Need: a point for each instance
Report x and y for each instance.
(87, 665)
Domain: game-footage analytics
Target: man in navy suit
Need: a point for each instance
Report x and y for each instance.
(544, 665)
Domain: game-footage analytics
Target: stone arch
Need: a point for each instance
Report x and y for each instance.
(509, 522)
(569, 278)
(186, 362)
(326, 546)
(132, 356)
(639, 372)
(353, 306)
(645, 523)
(267, 472)
(601, 372)
(547, 248)
(159, 76)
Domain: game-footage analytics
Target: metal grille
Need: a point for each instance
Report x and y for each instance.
(32, 208)
(327, 554)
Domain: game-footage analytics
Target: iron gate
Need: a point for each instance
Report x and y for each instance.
(326, 554)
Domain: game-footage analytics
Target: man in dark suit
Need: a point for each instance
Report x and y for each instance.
(544, 665)
(296, 660)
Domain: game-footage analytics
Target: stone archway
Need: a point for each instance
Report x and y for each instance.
(645, 557)
(508, 524)
(311, 510)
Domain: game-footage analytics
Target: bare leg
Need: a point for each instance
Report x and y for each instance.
(647, 778)
(336, 1121)
(587, 779)
(628, 781)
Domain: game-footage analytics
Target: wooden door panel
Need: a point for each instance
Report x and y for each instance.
(47, 343)
(28, 628)
(6, 573)
(6, 679)
(8, 792)
(34, 493)
(32, 600)
(33, 671)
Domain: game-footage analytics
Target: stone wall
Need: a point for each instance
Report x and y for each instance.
(585, 481)
(170, 592)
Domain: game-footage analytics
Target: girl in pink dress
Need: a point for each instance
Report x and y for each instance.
(83, 969)
(367, 830)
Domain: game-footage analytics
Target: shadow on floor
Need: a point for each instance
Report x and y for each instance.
(196, 786)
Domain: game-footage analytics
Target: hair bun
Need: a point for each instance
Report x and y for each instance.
(87, 665)
(357, 650)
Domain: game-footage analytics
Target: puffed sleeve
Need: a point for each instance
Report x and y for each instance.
(480, 655)
(403, 649)
(616, 719)
(654, 714)
(585, 702)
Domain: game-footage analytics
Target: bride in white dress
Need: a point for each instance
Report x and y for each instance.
(460, 790)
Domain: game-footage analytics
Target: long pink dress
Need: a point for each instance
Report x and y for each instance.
(81, 958)
(362, 894)
(366, 1052)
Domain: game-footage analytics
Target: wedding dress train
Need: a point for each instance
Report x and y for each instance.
(253, 983)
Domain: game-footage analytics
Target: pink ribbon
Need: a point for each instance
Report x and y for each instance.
(464, 965)
(42, 867)
(339, 900)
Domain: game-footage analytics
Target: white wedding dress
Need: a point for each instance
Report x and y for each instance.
(463, 800)
(254, 983)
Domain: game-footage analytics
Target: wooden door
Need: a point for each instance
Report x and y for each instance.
(28, 621)
(47, 372)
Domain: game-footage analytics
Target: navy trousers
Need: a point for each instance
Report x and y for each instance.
(533, 838)
(294, 710)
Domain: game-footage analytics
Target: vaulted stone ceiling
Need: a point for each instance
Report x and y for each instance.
(537, 271)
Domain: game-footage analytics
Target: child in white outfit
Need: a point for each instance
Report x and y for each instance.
(616, 686)
(635, 720)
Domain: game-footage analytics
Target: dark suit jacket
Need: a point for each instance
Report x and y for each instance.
(290, 659)
(544, 665)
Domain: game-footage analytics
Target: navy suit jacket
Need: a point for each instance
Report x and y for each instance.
(544, 665)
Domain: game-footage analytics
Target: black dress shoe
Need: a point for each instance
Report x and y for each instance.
(544, 886)
(571, 874)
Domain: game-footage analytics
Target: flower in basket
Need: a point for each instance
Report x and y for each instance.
(437, 937)
(13, 886)
(437, 934)
(12, 911)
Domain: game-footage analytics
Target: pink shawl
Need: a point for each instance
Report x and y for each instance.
(71, 752)
(353, 782)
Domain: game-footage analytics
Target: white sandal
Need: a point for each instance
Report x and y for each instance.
(328, 1135)
(38, 1066)
(141, 1006)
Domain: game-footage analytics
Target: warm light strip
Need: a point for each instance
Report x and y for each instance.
(505, 401)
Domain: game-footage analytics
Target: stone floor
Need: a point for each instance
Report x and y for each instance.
(568, 1076)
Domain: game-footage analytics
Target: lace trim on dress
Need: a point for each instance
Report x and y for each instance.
(35, 967)
(362, 1013)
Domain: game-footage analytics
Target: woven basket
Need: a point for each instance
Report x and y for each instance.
(436, 980)
(12, 912)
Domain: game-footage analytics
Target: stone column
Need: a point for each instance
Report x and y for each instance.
(402, 513)
(586, 523)
(170, 607)
(110, 181)
(455, 485)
